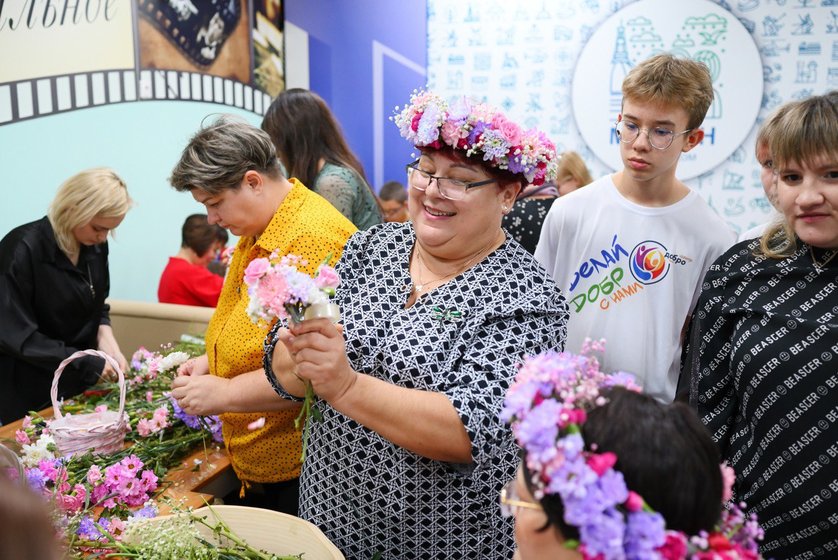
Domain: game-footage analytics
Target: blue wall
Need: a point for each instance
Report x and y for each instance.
(341, 38)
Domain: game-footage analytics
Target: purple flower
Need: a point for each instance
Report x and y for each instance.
(538, 430)
(645, 532)
(35, 478)
(604, 536)
(475, 133)
(88, 529)
(146, 512)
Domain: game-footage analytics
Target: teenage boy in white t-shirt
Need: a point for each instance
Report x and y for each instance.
(631, 249)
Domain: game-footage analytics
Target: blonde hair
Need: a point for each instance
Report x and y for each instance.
(97, 192)
(803, 132)
(677, 82)
(572, 166)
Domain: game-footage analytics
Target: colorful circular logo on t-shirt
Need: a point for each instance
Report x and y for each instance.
(649, 264)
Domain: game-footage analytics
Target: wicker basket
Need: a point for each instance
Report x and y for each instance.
(101, 432)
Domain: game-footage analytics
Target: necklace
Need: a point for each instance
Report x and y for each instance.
(419, 287)
(820, 265)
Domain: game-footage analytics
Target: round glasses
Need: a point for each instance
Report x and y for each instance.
(452, 189)
(510, 501)
(659, 137)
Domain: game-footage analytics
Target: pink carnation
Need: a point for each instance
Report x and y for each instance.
(22, 437)
(326, 277)
(508, 129)
(27, 422)
(101, 408)
(255, 270)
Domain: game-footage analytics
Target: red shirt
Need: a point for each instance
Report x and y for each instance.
(188, 284)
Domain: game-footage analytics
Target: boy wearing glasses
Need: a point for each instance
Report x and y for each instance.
(631, 249)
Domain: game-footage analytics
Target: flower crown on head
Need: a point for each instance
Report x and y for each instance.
(546, 406)
(478, 129)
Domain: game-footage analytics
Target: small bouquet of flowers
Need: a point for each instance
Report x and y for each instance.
(278, 290)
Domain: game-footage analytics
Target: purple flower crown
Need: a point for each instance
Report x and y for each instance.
(480, 130)
(546, 406)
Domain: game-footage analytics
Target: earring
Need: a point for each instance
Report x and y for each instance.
(504, 209)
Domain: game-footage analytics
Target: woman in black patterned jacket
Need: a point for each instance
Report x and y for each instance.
(437, 313)
(763, 352)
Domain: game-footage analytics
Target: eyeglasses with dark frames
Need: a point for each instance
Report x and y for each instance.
(452, 189)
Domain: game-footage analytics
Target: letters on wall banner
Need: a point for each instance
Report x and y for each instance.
(559, 65)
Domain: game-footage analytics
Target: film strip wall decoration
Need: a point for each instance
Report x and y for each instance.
(59, 94)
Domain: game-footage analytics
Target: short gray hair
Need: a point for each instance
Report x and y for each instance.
(218, 156)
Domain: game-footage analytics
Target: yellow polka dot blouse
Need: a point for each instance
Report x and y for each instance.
(305, 224)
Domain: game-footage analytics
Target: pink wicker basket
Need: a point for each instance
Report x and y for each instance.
(102, 432)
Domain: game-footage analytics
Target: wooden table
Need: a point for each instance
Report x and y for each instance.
(201, 476)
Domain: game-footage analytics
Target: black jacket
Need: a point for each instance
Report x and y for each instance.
(49, 308)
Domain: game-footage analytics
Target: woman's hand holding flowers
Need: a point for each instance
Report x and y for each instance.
(201, 395)
(194, 366)
(319, 352)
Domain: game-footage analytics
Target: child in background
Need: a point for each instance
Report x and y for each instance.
(630, 250)
(393, 201)
(187, 280)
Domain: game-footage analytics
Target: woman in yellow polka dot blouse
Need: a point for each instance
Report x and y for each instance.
(231, 168)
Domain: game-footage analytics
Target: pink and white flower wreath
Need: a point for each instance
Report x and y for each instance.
(478, 129)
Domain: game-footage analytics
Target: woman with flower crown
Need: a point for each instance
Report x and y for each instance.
(609, 473)
(436, 313)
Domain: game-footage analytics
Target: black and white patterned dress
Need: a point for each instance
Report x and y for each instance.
(763, 360)
(369, 495)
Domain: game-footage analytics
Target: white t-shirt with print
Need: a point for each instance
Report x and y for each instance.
(631, 275)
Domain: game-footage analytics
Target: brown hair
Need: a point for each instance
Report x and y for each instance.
(199, 235)
(304, 131)
(805, 131)
(217, 157)
(677, 82)
(26, 529)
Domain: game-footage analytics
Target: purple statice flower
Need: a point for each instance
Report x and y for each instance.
(88, 529)
(494, 145)
(146, 512)
(192, 421)
(36, 479)
(519, 400)
(538, 430)
(645, 532)
(300, 286)
(607, 491)
(604, 536)
(571, 479)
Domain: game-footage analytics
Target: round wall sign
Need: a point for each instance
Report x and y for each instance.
(697, 29)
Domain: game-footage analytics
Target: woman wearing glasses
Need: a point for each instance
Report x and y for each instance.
(437, 313)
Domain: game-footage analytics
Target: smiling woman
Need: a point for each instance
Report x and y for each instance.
(437, 312)
(52, 293)
(761, 360)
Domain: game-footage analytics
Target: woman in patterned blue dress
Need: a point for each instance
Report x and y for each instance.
(763, 353)
(437, 313)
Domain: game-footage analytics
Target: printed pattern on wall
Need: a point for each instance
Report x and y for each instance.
(220, 51)
(522, 56)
